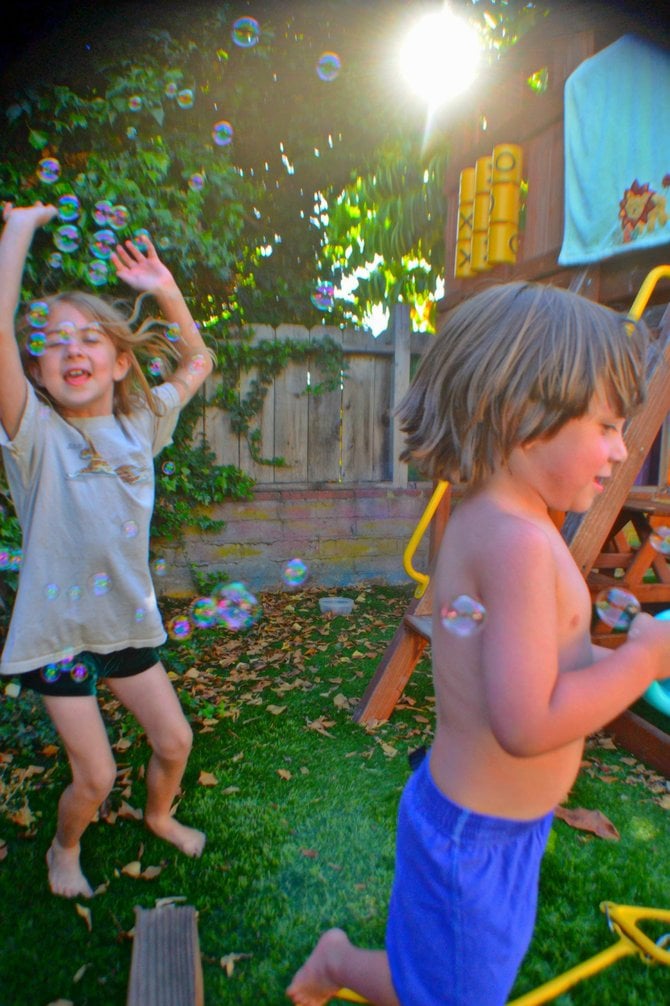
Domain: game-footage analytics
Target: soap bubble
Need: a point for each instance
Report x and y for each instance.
(197, 363)
(204, 612)
(101, 212)
(179, 628)
(294, 573)
(169, 468)
(246, 32)
(118, 217)
(156, 366)
(617, 608)
(135, 103)
(74, 592)
(659, 540)
(196, 181)
(36, 343)
(173, 332)
(237, 608)
(37, 314)
(323, 297)
(463, 617)
(328, 66)
(48, 170)
(79, 673)
(171, 90)
(50, 673)
(185, 98)
(97, 272)
(140, 238)
(67, 238)
(103, 243)
(51, 591)
(68, 208)
(131, 133)
(222, 133)
(159, 566)
(55, 260)
(129, 529)
(100, 584)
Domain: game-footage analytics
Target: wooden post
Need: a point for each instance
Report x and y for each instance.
(401, 360)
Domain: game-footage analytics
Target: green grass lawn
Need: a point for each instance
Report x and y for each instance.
(299, 805)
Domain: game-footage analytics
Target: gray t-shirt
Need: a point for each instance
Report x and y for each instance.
(84, 494)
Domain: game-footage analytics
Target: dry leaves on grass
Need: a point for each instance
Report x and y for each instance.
(588, 820)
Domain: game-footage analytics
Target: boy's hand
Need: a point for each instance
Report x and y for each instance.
(37, 215)
(143, 272)
(654, 633)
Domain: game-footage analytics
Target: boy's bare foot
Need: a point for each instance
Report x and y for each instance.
(190, 841)
(65, 876)
(315, 982)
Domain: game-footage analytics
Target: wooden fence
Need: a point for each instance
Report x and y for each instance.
(345, 436)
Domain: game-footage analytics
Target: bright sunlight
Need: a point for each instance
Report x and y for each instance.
(440, 56)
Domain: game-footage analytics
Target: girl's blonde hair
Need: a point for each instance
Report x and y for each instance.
(148, 338)
(514, 364)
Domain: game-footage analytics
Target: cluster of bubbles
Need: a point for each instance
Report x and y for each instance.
(69, 667)
(464, 616)
(98, 584)
(231, 605)
(617, 608)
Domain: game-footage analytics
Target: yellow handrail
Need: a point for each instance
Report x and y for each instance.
(418, 533)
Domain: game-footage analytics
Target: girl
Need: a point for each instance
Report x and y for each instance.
(79, 428)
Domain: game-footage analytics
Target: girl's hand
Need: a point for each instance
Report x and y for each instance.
(141, 271)
(37, 215)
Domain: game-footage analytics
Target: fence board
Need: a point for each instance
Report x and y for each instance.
(291, 412)
(325, 421)
(265, 421)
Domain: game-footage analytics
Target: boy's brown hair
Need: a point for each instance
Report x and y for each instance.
(513, 364)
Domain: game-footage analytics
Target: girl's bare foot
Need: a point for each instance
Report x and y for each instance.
(65, 876)
(315, 983)
(190, 841)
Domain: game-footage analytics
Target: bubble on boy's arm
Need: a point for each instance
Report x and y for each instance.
(617, 608)
(173, 332)
(464, 616)
(197, 363)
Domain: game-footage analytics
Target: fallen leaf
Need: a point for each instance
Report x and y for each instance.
(127, 812)
(85, 914)
(320, 725)
(208, 779)
(23, 817)
(588, 820)
(284, 773)
(151, 872)
(132, 869)
(3, 849)
(61, 1002)
(665, 801)
(80, 973)
(310, 853)
(122, 744)
(276, 710)
(229, 961)
(229, 790)
(172, 900)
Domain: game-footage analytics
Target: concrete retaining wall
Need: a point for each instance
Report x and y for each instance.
(346, 535)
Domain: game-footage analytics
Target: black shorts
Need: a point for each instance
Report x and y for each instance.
(79, 675)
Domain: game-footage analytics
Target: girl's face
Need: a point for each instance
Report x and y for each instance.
(80, 364)
(570, 470)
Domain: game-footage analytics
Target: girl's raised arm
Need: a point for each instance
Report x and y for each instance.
(145, 272)
(17, 235)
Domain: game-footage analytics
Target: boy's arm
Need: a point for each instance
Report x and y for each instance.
(17, 235)
(146, 273)
(534, 709)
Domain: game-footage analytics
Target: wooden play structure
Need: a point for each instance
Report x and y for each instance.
(516, 121)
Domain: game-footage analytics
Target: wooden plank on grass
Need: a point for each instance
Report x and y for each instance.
(166, 969)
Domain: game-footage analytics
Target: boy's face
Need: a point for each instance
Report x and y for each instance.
(80, 364)
(571, 469)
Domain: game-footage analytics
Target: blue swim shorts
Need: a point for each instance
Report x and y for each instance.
(464, 899)
(80, 674)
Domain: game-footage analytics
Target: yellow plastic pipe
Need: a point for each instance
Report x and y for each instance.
(418, 533)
